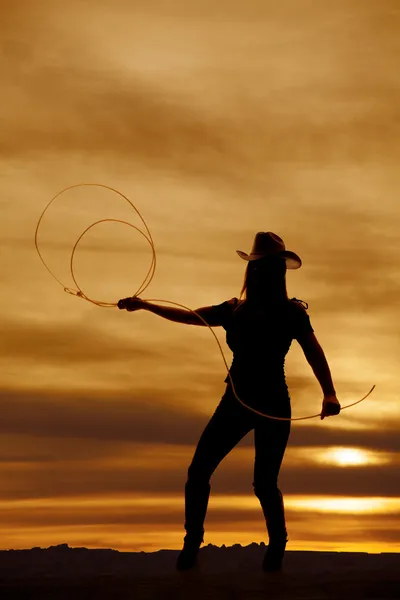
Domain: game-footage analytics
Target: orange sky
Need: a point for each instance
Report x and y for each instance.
(217, 121)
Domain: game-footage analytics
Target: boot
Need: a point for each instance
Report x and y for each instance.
(274, 513)
(274, 556)
(196, 503)
(188, 555)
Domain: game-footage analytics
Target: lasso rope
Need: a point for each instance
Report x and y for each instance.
(146, 282)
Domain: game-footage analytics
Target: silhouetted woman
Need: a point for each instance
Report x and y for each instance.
(260, 326)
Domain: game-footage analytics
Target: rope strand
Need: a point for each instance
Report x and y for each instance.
(146, 282)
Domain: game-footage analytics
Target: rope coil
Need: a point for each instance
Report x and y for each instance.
(146, 282)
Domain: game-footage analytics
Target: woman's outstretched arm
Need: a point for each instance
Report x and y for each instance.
(317, 360)
(171, 313)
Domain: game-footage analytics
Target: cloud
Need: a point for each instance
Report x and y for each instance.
(152, 417)
(82, 445)
(142, 417)
(68, 343)
(84, 513)
(126, 474)
(67, 97)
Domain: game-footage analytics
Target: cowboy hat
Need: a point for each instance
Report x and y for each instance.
(270, 244)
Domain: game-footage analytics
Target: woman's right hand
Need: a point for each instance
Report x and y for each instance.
(132, 303)
(330, 406)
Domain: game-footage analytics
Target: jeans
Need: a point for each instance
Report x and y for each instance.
(230, 422)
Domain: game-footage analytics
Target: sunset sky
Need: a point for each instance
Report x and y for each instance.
(218, 120)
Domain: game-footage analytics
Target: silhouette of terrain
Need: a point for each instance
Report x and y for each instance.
(226, 573)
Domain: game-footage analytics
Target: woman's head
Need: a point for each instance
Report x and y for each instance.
(265, 279)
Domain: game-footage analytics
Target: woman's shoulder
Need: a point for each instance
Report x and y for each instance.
(235, 302)
(229, 305)
(225, 311)
(233, 305)
(300, 318)
(298, 304)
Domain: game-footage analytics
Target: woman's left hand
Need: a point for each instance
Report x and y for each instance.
(330, 406)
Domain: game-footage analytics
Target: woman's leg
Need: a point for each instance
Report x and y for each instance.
(228, 425)
(270, 438)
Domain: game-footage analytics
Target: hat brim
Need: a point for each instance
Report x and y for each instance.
(293, 261)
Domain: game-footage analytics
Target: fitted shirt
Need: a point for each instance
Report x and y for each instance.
(260, 338)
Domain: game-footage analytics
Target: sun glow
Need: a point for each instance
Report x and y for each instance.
(144, 504)
(349, 457)
(350, 505)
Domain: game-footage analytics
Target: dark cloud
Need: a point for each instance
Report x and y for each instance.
(62, 479)
(154, 417)
(165, 515)
(25, 449)
(143, 417)
(77, 437)
(347, 481)
(68, 343)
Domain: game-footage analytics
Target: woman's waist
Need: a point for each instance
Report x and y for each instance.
(259, 370)
(260, 357)
(272, 401)
(258, 383)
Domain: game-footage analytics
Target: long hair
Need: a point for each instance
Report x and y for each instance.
(271, 280)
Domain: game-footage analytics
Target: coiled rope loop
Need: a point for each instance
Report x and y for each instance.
(146, 282)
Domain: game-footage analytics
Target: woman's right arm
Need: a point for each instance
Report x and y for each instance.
(178, 315)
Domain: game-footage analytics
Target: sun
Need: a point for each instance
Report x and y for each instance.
(349, 456)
